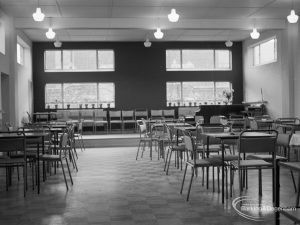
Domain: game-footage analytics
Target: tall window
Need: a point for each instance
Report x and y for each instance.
(196, 93)
(79, 60)
(265, 52)
(197, 60)
(76, 95)
(20, 54)
(2, 37)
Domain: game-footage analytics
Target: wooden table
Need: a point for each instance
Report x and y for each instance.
(293, 126)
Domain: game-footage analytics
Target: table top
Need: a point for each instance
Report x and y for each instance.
(27, 135)
(236, 135)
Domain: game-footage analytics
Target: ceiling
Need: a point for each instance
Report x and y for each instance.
(136, 20)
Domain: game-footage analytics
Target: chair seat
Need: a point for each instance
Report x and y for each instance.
(252, 163)
(180, 148)
(50, 157)
(100, 121)
(268, 158)
(116, 121)
(199, 163)
(11, 161)
(226, 157)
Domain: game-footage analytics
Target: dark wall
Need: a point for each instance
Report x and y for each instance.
(140, 74)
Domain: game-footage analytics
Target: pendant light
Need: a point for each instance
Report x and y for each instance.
(57, 44)
(158, 34)
(38, 16)
(228, 44)
(293, 17)
(254, 34)
(173, 16)
(50, 34)
(147, 43)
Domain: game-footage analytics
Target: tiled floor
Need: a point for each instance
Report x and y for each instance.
(113, 188)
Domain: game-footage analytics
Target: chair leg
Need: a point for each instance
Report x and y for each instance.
(293, 179)
(213, 178)
(259, 183)
(69, 171)
(63, 170)
(73, 160)
(182, 184)
(169, 162)
(166, 160)
(190, 186)
(137, 153)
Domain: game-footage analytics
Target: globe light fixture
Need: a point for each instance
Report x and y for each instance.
(228, 44)
(50, 34)
(38, 16)
(292, 18)
(57, 44)
(173, 16)
(254, 34)
(158, 34)
(147, 43)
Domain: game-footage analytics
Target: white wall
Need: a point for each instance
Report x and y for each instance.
(19, 96)
(276, 79)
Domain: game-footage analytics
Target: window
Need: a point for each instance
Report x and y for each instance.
(20, 54)
(76, 95)
(265, 52)
(79, 60)
(2, 38)
(197, 60)
(195, 93)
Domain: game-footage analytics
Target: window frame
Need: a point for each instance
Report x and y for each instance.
(215, 100)
(74, 71)
(258, 44)
(22, 54)
(64, 104)
(214, 60)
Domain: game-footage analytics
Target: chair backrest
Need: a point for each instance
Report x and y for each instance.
(257, 141)
(187, 111)
(12, 141)
(169, 113)
(141, 113)
(100, 114)
(202, 139)
(253, 124)
(283, 139)
(74, 114)
(115, 115)
(127, 114)
(62, 115)
(189, 147)
(87, 114)
(215, 119)
(156, 114)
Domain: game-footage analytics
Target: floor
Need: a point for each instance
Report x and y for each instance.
(112, 188)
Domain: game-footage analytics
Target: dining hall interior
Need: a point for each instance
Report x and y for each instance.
(149, 112)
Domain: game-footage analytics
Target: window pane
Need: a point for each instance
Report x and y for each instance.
(202, 92)
(107, 94)
(197, 59)
(173, 59)
(53, 95)
(106, 60)
(220, 88)
(52, 60)
(256, 55)
(173, 93)
(267, 51)
(20, 54)
(223, 59)
(80, 93)
(80, 60)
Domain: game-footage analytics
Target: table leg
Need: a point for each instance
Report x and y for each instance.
(276, 188)
(223, 169)
(38, 167)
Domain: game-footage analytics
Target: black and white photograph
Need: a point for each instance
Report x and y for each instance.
(149, 112)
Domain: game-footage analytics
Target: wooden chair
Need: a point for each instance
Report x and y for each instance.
(115, 118)
(128, 118)
(100, 120)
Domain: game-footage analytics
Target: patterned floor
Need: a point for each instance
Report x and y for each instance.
(112, 188)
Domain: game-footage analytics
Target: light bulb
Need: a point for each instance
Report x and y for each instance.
(57, 44)
(38, 15)
(173, 16)
(292, 18)
(158, 34)
(254, 34)
(50, 34)
(228, 43)
(147, 43)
